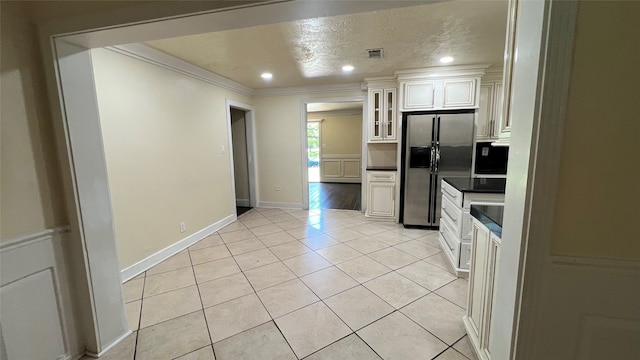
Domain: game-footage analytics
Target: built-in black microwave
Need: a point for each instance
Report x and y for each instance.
(491, 160)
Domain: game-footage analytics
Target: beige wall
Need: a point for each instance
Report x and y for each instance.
(598, 203)
(341, 132)
(31, 197)
(279, 148)
(240, 161)
(162, 134)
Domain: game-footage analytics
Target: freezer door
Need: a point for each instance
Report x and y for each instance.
(454, 153)
(418, 165)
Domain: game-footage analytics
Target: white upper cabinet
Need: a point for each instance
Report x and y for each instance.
(459, 93)
(382, 111)
(489, 111)
(419, 95)
(453, 87)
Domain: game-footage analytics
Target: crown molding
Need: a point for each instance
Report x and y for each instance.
(297, 90)
(156, 57)
(443, 71)
(493, 74)
(380, 81)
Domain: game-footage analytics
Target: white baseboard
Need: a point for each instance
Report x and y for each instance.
(110, 346)
(154, 259)
(342, 180)
(243, 202)
(282, 205)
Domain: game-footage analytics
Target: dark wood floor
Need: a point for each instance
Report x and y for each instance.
(334, 196)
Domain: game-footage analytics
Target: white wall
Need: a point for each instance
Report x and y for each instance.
(163, 133)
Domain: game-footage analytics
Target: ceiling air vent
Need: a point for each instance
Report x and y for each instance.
(375, 53)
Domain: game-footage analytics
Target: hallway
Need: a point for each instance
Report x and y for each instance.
(293, 284)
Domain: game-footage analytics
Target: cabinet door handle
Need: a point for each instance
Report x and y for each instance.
(446, 212)
(449, 193)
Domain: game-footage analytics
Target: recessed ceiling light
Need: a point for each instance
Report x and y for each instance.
(446, 59)
(347, 68)
(267, 76)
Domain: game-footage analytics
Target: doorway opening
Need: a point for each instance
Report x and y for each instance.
(313, 150)
(334, 155)
(240, 161)
(241, 142)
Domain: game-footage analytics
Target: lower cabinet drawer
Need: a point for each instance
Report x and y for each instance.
(453, 214)
(449, 238)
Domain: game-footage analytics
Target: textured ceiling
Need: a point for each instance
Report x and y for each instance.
(313, 51)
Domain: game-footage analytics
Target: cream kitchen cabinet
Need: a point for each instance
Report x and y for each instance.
(438, 94)
(382, 114)
(486, 246)
(489, 111)
(458, 194)
(381, 194)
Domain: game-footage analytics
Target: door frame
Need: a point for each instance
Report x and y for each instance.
(304, 148)
(252, 163)
(535, 140)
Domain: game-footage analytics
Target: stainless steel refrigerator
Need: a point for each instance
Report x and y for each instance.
(435, 146)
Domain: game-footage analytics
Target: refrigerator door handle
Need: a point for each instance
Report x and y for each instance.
(437, 158)
(432, 159)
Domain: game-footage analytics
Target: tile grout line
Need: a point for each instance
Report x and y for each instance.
(206, 322)
(358, 283)
(135, 347)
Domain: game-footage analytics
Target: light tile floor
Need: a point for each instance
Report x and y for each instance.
(296, 284)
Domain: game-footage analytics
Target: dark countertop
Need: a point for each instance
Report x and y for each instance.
(477, 185)
(490, 216)
(382, 168)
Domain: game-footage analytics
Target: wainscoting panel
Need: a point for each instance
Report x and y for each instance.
(341, 168)
(583, 315)
(37, 319)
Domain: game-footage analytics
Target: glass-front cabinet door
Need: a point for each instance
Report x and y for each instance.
(382, 114)
(376, 115)
(390, 114)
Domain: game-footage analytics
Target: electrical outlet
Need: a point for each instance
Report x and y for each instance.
(183, 227)
(222, 150)
(277, 188)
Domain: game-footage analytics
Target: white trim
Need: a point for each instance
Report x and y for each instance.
(492, 75)
(544, 40)
(443, 71)
(156, 57)
(243, 202)
(280, 205)
(154, 259)
(342, 180)
(297, 90)
(32, 238)
(110, 346)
